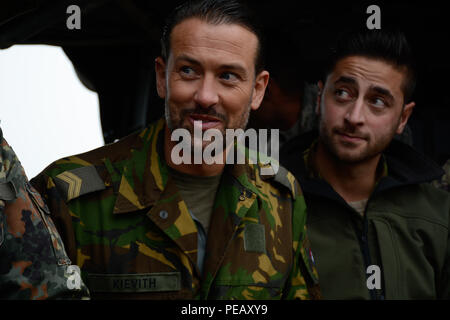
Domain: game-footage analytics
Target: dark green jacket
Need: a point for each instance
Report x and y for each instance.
(405, 229)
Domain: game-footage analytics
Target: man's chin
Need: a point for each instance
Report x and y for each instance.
(354, 156)
(350, 159)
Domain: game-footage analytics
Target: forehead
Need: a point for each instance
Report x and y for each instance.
(369, 72)
(224, 42)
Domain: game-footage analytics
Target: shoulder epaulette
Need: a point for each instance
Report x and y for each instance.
(282, 176)
(77, 182)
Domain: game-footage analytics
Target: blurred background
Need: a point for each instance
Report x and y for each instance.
(45, 111)
(68, 91)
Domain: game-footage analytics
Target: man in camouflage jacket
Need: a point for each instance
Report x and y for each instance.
(124, 219)
(128, 229)
(33, 262)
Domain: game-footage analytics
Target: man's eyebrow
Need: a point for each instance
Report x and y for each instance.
(345, 79)
(235, 67)
(231, 66)
(380, 90)
(184, 57)
(383, 91)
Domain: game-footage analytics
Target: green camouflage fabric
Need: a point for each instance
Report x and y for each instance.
(125, 224)
(444, 182)
(33, 262)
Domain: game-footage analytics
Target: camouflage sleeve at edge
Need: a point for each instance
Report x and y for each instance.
(303, 279)
(33, 261)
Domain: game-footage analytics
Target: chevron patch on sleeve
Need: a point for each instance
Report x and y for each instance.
(77, 182)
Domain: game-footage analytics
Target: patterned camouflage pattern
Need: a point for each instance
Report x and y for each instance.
(133, 237)
(444, 182)
(33, 262)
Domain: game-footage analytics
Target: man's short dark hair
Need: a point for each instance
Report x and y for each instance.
(389, 46)
(215, 12)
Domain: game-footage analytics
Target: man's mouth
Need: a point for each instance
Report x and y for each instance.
(204, 122)
(350, 137)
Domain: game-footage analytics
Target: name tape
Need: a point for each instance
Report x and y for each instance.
(138, 282)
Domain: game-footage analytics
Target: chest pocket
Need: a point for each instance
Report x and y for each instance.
(44, 213)
(7, 193)
(254, 267)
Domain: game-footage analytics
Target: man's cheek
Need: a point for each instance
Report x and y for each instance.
(336, 117)
(181, 90)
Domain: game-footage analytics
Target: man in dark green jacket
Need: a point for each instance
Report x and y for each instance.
(378, 228)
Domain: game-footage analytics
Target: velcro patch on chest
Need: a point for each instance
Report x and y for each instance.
(7, 191)
(254, 238)
(77, 182)
(136, 282)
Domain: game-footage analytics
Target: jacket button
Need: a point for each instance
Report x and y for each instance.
(163, 214)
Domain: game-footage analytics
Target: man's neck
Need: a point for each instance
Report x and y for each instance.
(203, 169)
(352, 181)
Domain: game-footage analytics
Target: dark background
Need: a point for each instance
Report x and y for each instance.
(114, 51)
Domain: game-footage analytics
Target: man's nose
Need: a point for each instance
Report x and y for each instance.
(355, 113)
(206, 95)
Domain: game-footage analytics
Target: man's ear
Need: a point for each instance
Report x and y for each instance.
(260, 87)
(406, 113)
(319, 94)
(160, 70)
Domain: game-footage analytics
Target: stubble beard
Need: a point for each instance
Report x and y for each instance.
(342, 152)
(178, 123)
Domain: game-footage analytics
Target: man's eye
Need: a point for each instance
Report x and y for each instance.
(378, 102)
(228, 76)
(342, 94)
(188, 71)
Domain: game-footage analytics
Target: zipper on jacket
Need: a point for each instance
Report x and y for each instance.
(366, 250)
(374, 294)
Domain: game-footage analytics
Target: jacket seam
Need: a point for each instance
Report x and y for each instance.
(397, 260)
(408, 217)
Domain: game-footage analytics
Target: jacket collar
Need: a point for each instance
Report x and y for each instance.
(143, 175)
(402, 164)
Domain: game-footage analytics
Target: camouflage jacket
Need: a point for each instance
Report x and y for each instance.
(124, 223)
(33, 262)
(444, 182)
